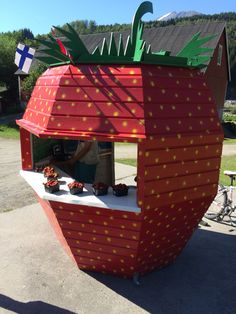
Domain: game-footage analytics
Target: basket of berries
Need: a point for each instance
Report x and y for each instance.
(49, 173)
(47, 170)
(120, 189)
(76, 187)
(100, 188)
(51, 186)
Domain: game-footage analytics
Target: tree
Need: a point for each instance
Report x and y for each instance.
(8, 44)
(30, 81)
(7, 66)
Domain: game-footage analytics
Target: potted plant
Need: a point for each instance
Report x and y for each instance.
(120, 189)
(76, 187)
(100, 188)
(51, 186)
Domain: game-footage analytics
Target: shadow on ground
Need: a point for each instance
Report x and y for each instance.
(30, 307)
(202, 280)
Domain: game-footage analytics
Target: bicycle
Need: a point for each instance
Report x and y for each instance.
(223, 205)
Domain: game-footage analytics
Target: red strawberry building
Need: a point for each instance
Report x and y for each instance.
(118, 94)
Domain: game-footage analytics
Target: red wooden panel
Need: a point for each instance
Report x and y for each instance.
(26, 153)
(94, 109)
(178, 169)
(183, 154)
(89, 210)
(98, 220)
(176, 197)
(180, 182)
(100, 239)
(182, 140)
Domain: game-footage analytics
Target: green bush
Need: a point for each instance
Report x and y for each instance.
(30, 81)
(228, 117)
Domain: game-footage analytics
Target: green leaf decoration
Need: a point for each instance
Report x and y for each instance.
(193, 49)
(96, 51)
(112, 51)
(139, 44)
(149, 49)
(52, 50)
(128, 48)
(135, 50)
(120, 51)
(72, 42)
(137, 24)
(104, 49)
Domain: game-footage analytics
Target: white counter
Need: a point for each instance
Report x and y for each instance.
(87, 198)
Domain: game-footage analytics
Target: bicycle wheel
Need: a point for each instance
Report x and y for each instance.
(217, 209)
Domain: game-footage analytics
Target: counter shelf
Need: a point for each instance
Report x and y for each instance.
(87, 198)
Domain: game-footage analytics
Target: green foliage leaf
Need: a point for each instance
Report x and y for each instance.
(73, 43)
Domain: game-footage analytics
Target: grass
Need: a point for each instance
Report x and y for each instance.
(124, 143)
(130, 161)
(229, 141)
(10, 130)
(227, 163)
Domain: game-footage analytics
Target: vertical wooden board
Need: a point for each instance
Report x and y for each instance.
(26, 151)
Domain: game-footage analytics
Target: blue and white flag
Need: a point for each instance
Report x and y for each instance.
(23, 57)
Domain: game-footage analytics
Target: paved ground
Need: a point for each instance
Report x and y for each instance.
(229, 150)
(36, 275)
(15, 192)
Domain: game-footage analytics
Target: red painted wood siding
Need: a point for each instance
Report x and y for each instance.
(217, 75)
(26, 151)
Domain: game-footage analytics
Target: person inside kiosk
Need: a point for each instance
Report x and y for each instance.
(85, 161)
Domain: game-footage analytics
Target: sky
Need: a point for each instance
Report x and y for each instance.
(40, 15)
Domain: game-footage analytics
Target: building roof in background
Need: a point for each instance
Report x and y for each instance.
(170, 38)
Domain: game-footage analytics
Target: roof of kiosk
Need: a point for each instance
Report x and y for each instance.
(94, 95)
(123, 103)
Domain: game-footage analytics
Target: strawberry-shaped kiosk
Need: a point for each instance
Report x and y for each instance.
(126, 93)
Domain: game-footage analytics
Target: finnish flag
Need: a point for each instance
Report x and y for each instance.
(23, 57)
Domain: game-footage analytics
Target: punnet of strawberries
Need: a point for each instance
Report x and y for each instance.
(100, 186)
(120, 187)
(48, 169)
(51, 183)
(75, 185)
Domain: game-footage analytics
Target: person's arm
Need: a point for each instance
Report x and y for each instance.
(79, 153)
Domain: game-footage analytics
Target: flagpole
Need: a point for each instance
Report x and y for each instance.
(19, 88)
